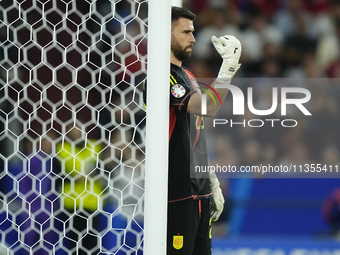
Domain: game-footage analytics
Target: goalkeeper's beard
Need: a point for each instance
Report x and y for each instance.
(180, 52)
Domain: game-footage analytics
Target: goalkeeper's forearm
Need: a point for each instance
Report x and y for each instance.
(195, 103)
(212, 108)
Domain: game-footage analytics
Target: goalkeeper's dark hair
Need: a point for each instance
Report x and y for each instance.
(179, 12)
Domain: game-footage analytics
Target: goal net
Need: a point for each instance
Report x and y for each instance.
(72, 126)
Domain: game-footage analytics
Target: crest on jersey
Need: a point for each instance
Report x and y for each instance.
(177, 90)
(178, 242)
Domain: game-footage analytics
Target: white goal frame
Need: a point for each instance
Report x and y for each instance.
(157, 127)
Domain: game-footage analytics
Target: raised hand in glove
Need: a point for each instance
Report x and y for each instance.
(218, 200)
(229, 47)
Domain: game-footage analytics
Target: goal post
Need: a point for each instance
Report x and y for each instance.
(157, 127)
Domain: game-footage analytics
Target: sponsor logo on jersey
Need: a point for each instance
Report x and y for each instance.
(177, 90)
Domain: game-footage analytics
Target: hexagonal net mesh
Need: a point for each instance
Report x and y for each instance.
(72, 126)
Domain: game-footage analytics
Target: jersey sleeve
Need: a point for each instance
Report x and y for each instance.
(180, 94)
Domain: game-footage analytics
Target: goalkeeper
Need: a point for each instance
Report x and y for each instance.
(192, 202)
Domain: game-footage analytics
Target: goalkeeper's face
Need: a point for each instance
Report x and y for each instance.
(182, 39)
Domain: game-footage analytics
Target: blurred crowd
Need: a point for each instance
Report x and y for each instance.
(280, 38)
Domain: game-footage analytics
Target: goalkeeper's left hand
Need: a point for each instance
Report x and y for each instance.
(229, 47)
(217, 206)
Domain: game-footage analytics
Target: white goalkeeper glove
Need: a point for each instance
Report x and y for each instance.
(217, 206)
(229, 47)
